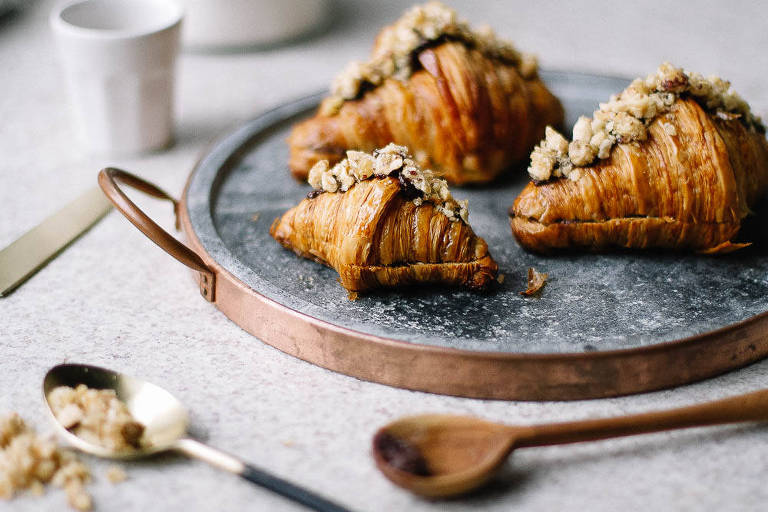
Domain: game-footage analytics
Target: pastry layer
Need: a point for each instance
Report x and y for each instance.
(463, 115)
(375, 237)
(687, 186)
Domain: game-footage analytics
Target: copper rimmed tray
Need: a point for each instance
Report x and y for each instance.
(605, 325)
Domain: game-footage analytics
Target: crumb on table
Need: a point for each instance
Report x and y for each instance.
(116, 474)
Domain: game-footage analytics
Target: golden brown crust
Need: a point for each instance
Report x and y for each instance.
(464, 115)
(687, 186)
(374, 237)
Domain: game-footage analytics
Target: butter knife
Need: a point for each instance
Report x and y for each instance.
(20, 260)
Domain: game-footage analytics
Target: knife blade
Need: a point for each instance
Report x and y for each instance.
(20, 260)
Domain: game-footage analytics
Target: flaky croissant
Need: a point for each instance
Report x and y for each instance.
(375, 237)
(687, 185)
(465, 114)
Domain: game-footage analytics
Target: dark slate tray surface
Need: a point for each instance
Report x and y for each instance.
(591, 302)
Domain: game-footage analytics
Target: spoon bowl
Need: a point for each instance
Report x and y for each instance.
(438, 455)
(164, 417)
(165, 428)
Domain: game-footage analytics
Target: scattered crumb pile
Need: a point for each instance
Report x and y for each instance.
(29, 461)
(625, 119)
(96, 416)
(536, 281)
(394, 161)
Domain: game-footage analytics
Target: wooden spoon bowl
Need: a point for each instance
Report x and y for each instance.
(438, 455)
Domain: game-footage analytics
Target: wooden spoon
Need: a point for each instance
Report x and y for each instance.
(438, 455)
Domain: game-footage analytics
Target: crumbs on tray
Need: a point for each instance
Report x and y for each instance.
(536, 281)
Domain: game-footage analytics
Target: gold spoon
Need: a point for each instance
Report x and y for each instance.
(439, 455)
(165, 420)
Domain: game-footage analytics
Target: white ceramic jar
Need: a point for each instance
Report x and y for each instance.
(227, 24)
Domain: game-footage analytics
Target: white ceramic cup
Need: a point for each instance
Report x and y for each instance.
(118, 56)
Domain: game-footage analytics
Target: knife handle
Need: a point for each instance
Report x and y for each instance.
(108, 181)
(227, 462)
(291, 491)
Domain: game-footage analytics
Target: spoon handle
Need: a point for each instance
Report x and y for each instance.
(742, 408)
(257, 476)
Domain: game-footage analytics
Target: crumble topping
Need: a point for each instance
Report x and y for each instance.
(29, 461)
(418, 185)
(97, 416)
(625, 118)
(395, 46)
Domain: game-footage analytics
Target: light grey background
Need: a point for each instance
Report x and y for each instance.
(115, 299)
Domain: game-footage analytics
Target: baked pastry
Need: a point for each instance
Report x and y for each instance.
(465, 102)
(381, 221)
(675, 161)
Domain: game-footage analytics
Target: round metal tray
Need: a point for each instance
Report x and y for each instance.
(604, 325)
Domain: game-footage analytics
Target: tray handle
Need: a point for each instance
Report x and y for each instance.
(108, 179)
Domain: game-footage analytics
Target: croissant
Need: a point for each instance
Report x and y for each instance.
(467, 104)
(385, 227)
(676, 161)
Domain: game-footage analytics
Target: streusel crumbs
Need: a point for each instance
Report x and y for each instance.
(419, 26)
(625, 118)
(418, 184)
(29, 462)
(97, 416)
